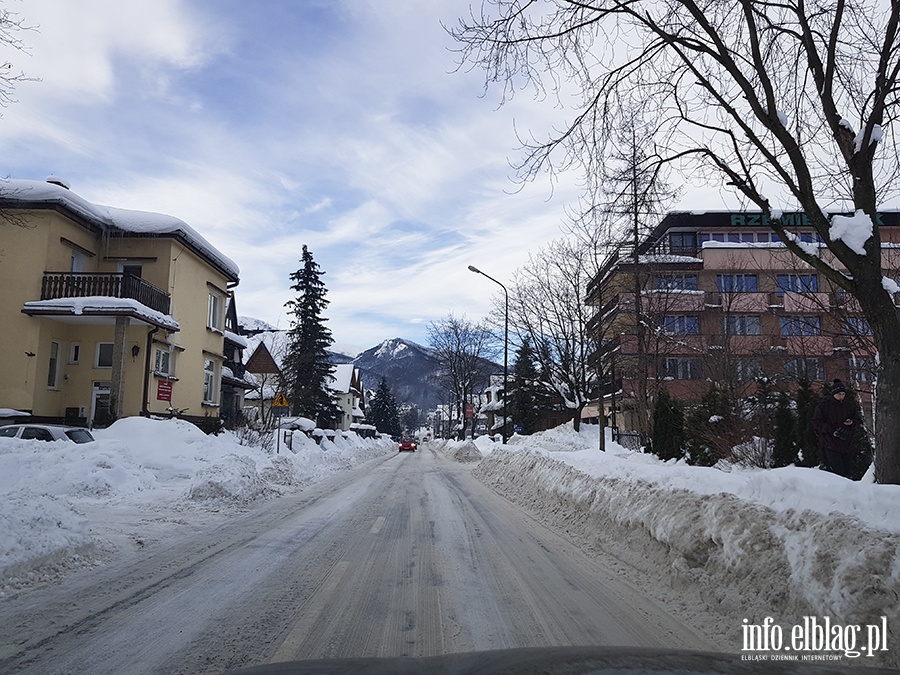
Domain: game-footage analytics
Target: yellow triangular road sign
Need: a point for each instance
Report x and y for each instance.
(280, 401)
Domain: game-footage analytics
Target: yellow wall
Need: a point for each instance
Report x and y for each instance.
(27, 251)
(188, 279)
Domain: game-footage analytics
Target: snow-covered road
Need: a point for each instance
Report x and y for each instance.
(403, 555)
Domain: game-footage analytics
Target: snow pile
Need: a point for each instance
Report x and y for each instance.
(146, 465)
(783, 543)
(39, 531)
(853, 230)
(465, 452)
(235, 477)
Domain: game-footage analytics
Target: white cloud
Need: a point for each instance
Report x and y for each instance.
(333, 124)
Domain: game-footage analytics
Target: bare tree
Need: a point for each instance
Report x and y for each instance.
(10, 25)
(547, 306)
(764, 97)
(464, 351)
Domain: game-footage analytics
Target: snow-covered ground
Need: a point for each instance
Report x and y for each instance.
(784, 543)
(66, 505)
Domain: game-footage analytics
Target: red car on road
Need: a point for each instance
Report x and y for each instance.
(407, 445)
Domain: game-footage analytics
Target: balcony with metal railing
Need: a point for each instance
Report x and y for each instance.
(57, 285)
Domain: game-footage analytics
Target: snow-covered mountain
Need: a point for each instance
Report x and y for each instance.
(410, 370)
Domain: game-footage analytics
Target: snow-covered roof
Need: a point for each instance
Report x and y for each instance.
(239, 340)
(276, 342)
(102, 305)
(25, 193)
(342, 377)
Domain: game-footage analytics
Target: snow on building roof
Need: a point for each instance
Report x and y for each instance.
(342, 377)
(239, 340)
(25, 193)
(102, 305)
(276, 343)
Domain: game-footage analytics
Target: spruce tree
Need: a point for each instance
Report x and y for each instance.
(525, 397)
(382, 411)
(807, 443)
(785, 450)
(712, 428)
(307, 369)
(668, 428)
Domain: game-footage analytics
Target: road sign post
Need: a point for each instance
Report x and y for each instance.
(279, 409)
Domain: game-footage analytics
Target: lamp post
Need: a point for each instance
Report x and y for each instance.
(472, 268)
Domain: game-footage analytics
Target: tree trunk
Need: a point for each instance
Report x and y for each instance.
(576, 417)
(887, 429)
(881, 313)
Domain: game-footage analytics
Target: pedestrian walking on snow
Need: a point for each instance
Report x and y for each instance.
(835, 422)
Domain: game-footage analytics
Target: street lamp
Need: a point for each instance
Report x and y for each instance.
(472, 268)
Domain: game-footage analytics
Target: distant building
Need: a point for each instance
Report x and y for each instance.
(264, 365)
(720, 299)
(349, 395)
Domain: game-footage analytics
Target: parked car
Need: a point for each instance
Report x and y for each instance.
(407, 445)
(47, 432)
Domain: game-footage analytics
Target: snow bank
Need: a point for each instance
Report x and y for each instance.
(742, 540)
(460, 451)
(63, 534)
(145, 465)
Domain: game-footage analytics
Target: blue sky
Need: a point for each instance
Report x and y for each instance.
(338, 124)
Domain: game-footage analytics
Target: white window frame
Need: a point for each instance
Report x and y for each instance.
(857, 325)
(76, 261)
(682, 368)
(214, 312)
(74, 353)
(169, 354)
(801, 326)
(210, 381)
(747, 369)
(681, 324)
(862, 370)
(100, 346)
(737, 283)
(53, 365)
(743, 324)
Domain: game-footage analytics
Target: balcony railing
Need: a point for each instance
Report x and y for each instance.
(109, 284)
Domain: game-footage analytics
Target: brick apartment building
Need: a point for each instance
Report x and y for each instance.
(723, 301)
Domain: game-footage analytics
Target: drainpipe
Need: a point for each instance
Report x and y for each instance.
(145, 408)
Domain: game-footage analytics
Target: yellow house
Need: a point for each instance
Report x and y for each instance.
(107, 312)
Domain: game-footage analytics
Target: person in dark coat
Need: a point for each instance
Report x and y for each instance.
(835, 422)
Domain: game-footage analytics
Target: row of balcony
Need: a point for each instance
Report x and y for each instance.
(57, 285)
(743, 303)
(739, 345)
